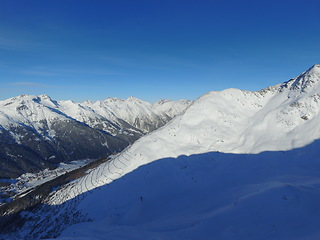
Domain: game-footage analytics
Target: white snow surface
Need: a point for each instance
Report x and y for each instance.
(234, 165)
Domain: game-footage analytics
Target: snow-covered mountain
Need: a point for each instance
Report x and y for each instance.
(234, 165)
(37, 132)
(140, 114)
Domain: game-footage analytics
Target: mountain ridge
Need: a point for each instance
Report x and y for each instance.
(34, 123)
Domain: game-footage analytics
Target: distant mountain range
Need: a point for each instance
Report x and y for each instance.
(37, 132)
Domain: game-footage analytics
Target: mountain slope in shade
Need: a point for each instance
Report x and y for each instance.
(37, 132)
(271, 195)
(235, 165)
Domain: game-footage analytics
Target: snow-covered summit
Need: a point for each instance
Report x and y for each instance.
(133, 99)
(27, 100)
(308, 82)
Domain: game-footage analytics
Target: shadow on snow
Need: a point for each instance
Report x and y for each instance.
(270, 195)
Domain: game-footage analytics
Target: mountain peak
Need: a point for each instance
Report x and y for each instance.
(30, 97)
(315, 67)
(308, 81)
(133, 99)
(45, 97)
(314, 70)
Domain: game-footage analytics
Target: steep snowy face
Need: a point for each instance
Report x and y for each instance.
(307, 82)
(289, 119)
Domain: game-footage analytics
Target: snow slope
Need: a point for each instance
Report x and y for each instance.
(278, 118)
(235, 165)
(271, 195)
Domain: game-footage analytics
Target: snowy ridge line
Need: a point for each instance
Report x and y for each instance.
(32, 109)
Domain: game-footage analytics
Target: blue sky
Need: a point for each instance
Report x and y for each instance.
(155, 49)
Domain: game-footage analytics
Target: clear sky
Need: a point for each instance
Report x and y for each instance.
(153, 49)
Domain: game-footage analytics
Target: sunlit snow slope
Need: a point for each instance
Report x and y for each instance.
(213, 178)
(278, 118)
